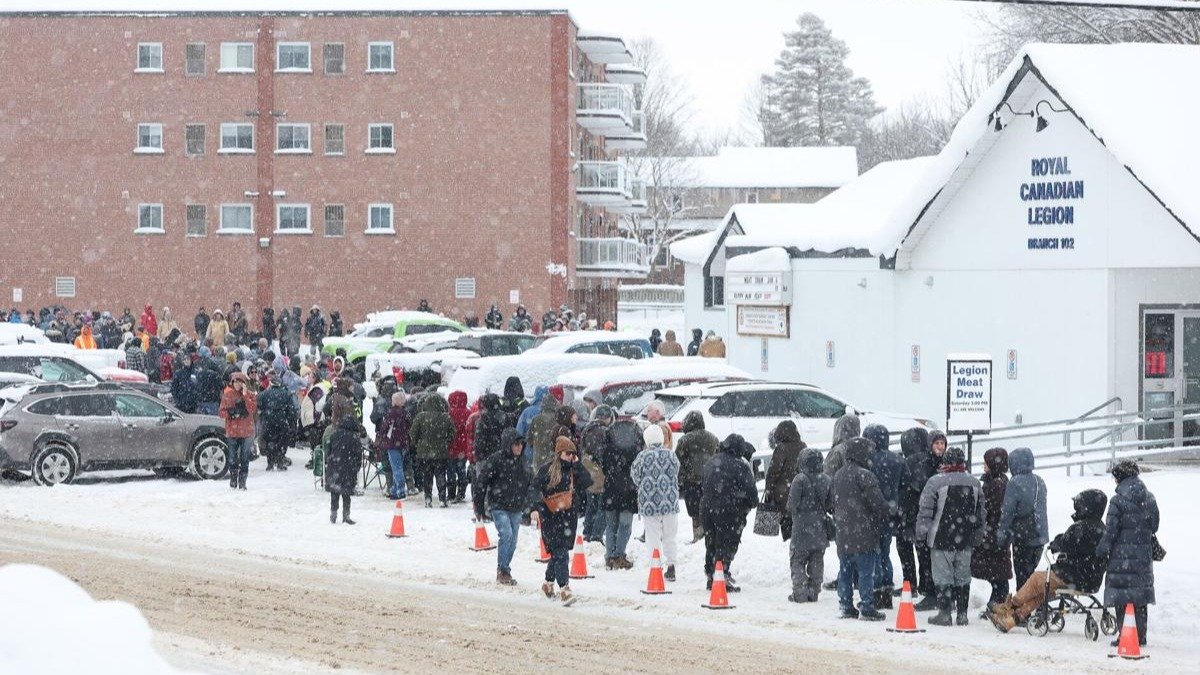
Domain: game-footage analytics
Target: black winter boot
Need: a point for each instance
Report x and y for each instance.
(945, 602)
(927, 603)
(333, 516)
(883, 598)
(962, 598)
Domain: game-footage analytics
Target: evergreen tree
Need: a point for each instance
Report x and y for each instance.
(813, 98)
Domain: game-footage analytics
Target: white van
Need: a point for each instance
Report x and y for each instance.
(628, 389)
(479, 376)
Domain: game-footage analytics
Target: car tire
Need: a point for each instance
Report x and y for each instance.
(210, 459)
(55, 464)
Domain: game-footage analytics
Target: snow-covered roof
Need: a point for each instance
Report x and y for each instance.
(773, 259)
(735, 167)
(557, 343)
(695, 249)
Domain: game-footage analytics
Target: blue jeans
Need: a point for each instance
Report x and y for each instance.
(396, 459)
(239, 459)
(861, 565)
(203, 408)
(883, 569)
(594, 518)
(508, 526)
(617, 528)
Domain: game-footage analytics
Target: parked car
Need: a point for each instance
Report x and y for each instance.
(19, 333)
(422, 360)
(478, 376)
(378, 334)
(55, 431)
(47, 362)
(754, 409)
(630, 388)
(625, 345)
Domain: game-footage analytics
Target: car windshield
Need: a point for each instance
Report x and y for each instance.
(671, 403)
(60, 370)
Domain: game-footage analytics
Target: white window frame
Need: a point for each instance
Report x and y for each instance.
(279, 47)
(222, 150)
(307, 150)
(390, 150)
(140, 149)
(391, 211)
(139, 68)
(391, 66)
(161, 229)
(236, 46)
(325, 139)
(307, 218)
(222, 229)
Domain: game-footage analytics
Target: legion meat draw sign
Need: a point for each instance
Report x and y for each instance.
(968, 393)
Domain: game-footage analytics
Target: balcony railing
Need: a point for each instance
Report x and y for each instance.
(612, 257)
(635, 202)
(603, 183)
(605, 108)
(633, 138)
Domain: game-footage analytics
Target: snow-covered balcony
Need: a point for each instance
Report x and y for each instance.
(603, 183)
(636, 204)
(635, 139)
(624, 73)
(612, 257)
(605, 108)
(603, 47)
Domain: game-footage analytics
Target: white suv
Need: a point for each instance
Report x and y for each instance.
(754, 409)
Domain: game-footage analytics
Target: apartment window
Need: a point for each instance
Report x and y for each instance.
(149, 57)
(149, 139)
(237, 137)
(335, 139)
(379, 139)
(379, 57)
(379, 219)
(292, 218)
(292, 57)
(194, 59)
(335, 220)
(236, 218)
(464, 288)
(292, 138)
(237, 57)
(335, 58)
(197, 220)
(193, 136)
(150, 219)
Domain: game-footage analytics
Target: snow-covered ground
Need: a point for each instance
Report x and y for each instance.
(284, 516)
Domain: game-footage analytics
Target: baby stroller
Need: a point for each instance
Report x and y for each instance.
(1051, 615)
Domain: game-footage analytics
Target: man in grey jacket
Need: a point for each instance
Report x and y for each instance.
(1023, 521)
(809, 503)
(950, 521)
(847, 427)
(859, 513)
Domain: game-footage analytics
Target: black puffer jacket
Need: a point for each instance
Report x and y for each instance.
(1079, 565)
(1130, 527)
(859, 510)
(625, 442)
(343, 458)
(489, 428)
(503, 479)
(727, 482)
(694, 448)
(914, 445)
(785, 464)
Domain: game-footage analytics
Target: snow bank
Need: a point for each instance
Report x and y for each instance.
(50, 625)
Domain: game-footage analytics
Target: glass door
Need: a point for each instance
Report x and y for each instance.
(1171, 375)
(1190, 376)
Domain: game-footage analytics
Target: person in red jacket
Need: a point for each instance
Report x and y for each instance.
(461, 448)
(149, 321)
(238, 405)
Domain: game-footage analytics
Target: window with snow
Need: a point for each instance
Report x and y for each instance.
(335, 220)
(379, 57)
(150, 218)
(194, 139)
(335, 58)
(379, 138)
(237, 57)
(292, 57)
(236, 218)
(237, 137)
(292, 138)
(194, 59)
(197, 220)
(379, 219)
(464, 288)
(149, 138)
(292, 218)
(335, 139)
(149, 57)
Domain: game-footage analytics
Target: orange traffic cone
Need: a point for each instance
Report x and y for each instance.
(579, 561)
(482, 543)
(655, 585)
(906, 618)
(718, 599)
(397, 530)
(1129, 647)
(543, 554)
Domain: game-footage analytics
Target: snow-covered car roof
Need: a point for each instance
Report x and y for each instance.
(396, 316)
(479, 376)
(423, 340)
(689, 367)
(713, 389)
(19, 333)
(384, 362)
(551, 343)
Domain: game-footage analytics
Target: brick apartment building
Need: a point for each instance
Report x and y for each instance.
(355, 160)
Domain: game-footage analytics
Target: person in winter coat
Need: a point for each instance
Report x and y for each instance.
(728, 495)
(268, 324)
(859, 514)
(166, 324)
(238, 406)
(494, 319)
(670, 346)
(520, 321)
(431, 435)
(218, 328)
(335, 324)
(200, 323)
(314, 328)
(148, 321)
(1077, 565)
(713, 346)
(135, 358)
(655, 340)
(278, 417)
(488, 429)
(693, 348)
(784, 465)
(655, 472)
(991, 561)
(566, 423)
(85, 340)
(950, 521)
(892, 474)
(208, 386)
(810, 500)
(540, 433)
(594, 442)
(183, 389)
(695, 447)
(937, 447)
(919, 467)
(845, 428)
(620, 492)
(343, 459)
(501, 490)
(342, 402)
(513, 404)
(562, 474)
(294, 326)
(392, 436)
(237, 323)
(460, 448)
(1023, 522)
(1128, 544)
(530, 411)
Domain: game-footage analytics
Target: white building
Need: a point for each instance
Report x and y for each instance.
(1057, 232)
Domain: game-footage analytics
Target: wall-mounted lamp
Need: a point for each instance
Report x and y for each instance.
(278, 194)
(264, 242)
(250, 193)
(252, 113)
(1040, 124)
(278, 113)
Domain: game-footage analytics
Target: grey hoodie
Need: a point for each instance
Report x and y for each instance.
(844, 429)
(1023, 520)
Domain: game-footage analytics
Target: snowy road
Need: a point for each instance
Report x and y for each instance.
(237, 612)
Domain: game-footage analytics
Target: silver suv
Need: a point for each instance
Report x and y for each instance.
(54, 431)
